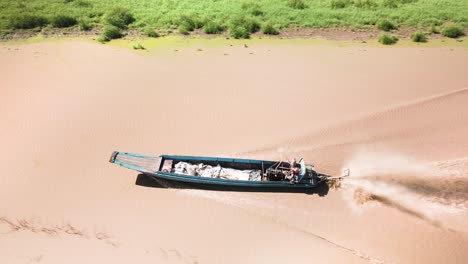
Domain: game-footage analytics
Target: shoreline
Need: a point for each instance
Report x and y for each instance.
(318, 37)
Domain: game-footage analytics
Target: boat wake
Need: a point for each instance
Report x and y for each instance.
(266, 209)
(421, 189)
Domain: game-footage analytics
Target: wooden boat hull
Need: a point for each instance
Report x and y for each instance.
(224, 182)
(153, 167)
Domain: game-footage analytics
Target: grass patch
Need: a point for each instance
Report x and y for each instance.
(453, 31)
(386, 25)
(119, 17)
(150, 32)
(269, 29)
(249, 23)
(239, 32)
(163, 15)
(390, 3)
(138, 46)
(63, 21)
(337, 4)
(213, 27)
(85, 24)
(387, 39)
(419, 37)
(365, 4)
(242, 26)
(28, 21)
(297, 4)
(83, 3)
(110, 32)
(189, 23)
(252, 8)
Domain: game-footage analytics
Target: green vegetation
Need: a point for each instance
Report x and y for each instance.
(111, 32)
(239, 32)
(419, 37)
(390, 3)
(215, 16)
(385, 25)
(453, 31)
(188, 23)
(150, 32)
(269, 29)
(366, 4)
(336, 4)
(83, 3)
(119, 17)
(63, 21)
(27, 21)
(387, 39)
(297, 4)
(213, 27)
(434, 30)
(253, 8)
(242, 26)
(85, 24)
(116, 21)
(138, 47)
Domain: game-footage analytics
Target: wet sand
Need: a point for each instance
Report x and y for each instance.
(397, 117)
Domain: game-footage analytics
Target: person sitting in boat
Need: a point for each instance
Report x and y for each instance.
(295, 171)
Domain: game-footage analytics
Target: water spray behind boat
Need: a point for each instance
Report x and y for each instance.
(422, 189)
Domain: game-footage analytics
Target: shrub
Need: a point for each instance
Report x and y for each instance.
(85, 24)
(111, 32)
(390, 3)
(387, 39)
(189, 23)
(213, 28)
(365, 4)
(138, 47)
(419, 37)
(337, 4)
(119, 17)
(239, 32)
(253, 8)
(249, 23)
(297, 4)
(385, 25)
(453, 31)
(83, 3)
(184, 29)
(28, 21)
(63, 21)
(269, 29)
(150, 32)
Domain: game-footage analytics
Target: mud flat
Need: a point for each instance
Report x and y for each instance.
(395, 116)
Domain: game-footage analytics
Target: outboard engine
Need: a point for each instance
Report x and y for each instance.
(275, 174)
(311, 174)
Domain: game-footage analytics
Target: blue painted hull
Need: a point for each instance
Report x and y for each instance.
(224, 182)
(130, 161)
